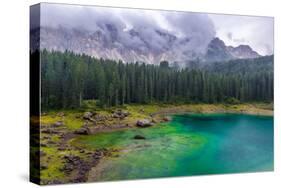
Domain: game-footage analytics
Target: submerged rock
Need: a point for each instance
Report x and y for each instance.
(144, 123)
(139, 137)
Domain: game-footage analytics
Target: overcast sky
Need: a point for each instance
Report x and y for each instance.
(252, 30)
(233, 30)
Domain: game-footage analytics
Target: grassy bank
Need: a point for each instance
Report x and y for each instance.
(73, 121)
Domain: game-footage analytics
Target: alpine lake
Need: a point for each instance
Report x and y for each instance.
(190, 144)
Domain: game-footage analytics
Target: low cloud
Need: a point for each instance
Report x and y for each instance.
(255, 31)
(198, 29)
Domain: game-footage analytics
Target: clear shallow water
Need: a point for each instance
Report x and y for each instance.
(188, 145)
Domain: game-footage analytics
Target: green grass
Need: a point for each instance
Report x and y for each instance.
(54, 161)
(51, 118)
(53, 164)
(72, 121)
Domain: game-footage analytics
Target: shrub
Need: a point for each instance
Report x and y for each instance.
(231, 100)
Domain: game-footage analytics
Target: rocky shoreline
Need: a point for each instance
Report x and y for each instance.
(78, 161)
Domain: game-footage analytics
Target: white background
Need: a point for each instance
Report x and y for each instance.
(14, 91)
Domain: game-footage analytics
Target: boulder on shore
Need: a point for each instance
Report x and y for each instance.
(42, 153)
(70, 163)
(144, 123)
(120, 114)
(88, 115)
(49, 131)
(43, 166)
(100, 117)
(83, 131)
(154, 121)
(58, 124)
(60, 114)
(166, 118)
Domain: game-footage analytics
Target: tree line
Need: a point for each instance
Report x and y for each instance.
(67, 79)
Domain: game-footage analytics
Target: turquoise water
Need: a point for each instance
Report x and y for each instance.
(188, 145)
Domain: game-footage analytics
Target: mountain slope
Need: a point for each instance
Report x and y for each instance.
(136, 44)
(255, 65)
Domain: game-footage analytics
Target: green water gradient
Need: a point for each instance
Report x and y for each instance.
(193, 144)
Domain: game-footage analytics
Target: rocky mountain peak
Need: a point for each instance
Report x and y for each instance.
(218, 51)
(243, 51)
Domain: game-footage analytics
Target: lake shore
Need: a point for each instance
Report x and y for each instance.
(161, 113)
(60, 128)
(251, 109)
